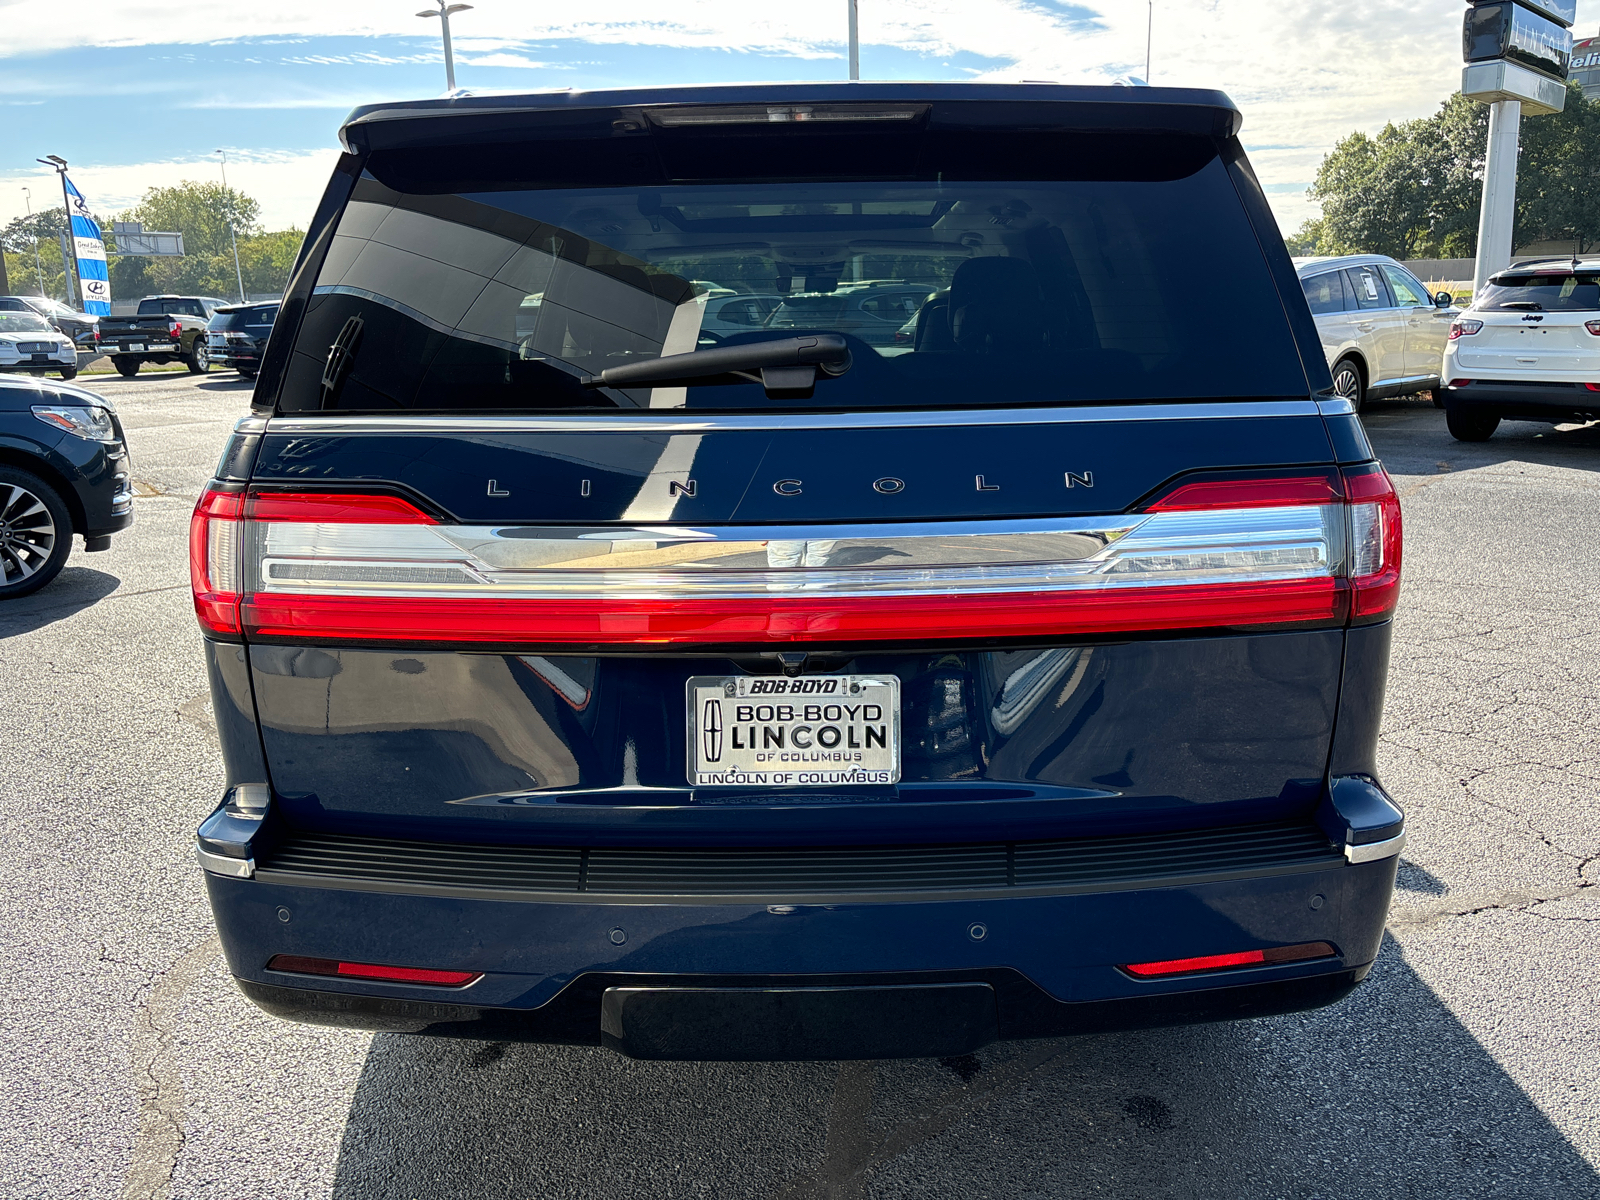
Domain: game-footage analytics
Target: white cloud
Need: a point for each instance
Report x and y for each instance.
(508, 60)
(287, 186)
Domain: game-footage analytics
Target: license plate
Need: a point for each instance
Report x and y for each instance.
(41, 357)
(810, 731)
(135, 346)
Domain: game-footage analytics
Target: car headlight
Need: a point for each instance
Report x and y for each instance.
(91, 424)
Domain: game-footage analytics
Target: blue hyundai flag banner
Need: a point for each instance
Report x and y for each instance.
(90, 249)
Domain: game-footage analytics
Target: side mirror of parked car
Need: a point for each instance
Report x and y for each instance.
(1443, 300)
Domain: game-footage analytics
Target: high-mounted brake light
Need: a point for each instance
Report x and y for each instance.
(767, 114)
(1306, 546)
(299, 965)
(1222, 962)
(1466, 328)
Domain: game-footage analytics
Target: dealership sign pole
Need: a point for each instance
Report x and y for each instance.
(1517, 54)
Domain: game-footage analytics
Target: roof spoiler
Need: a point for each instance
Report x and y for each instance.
(620, 112)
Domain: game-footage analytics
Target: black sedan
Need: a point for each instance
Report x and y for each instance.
(64, 471)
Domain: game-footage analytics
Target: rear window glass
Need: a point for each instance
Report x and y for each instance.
(1559, 292)
(252, 318)
(185, 308)
(968, 286)
(1325, 293)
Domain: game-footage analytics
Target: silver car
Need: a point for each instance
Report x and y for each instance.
(1383, 334)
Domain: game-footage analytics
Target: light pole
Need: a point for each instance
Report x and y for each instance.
(855, 41)
(69, 247)
(443, 12)
(232, 237)
(38, 271)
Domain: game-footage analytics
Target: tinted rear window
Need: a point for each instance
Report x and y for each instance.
(254, 318)
(1559, 292)
(1124, 273)
(186, 308)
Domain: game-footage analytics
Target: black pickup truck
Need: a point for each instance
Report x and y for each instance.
(165, 329)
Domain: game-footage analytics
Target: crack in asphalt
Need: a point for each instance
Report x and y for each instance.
(161, 1136)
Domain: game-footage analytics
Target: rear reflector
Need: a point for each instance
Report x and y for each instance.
(1223, 962)
(1223, 550)
(330, 966)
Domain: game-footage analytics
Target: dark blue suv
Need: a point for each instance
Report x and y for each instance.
(586, 675)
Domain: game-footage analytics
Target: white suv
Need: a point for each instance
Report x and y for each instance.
(1528, 348)
(1383, 334)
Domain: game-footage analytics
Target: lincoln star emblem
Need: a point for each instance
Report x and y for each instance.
(711, 731)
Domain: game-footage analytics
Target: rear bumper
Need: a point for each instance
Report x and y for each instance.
(1525, 399)
(1051, 962)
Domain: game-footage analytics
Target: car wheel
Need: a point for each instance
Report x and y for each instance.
(69, 372)
(1470, 424)
(35, 533)
(126, 367)
(198, 360)
(1347, 382)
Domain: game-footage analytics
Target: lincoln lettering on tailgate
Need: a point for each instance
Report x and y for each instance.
(811, 731)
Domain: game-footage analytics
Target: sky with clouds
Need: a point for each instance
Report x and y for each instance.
(140, 95)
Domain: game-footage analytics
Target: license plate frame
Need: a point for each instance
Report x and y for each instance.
(720, 757)
(134, 348)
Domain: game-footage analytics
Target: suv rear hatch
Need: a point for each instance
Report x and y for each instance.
(1538, 323)
(1093, 565)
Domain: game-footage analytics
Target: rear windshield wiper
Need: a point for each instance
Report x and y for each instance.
(1530, 305)
(786, 367)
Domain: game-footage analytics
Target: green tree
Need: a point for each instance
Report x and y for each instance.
(1414, 190)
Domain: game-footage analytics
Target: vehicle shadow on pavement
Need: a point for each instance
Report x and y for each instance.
(1411, 439)
(1385, 1095)
(226, 383)
(72, 591)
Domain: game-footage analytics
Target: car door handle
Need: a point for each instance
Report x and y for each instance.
(1364, 326)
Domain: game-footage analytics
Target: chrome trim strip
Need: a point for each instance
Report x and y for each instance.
(1131, 550)
(1374, 851)
(1339, 407)
(221, 864)
(250, 425)
(633, 422)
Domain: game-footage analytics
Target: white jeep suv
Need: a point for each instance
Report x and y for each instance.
(1383, 334)
(1527, 349)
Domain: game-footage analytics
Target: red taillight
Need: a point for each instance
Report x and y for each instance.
(1593, 327)
(1459, 383)
(1464, 328)
(1217, 551)
(1309, 487)
(1375, 541)
(353, 508)
(214, 558)
(767, 621)
(1222, 962)
(331, 966)
(1593, 387)
(175, 330)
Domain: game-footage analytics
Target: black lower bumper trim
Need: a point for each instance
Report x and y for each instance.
(866, 1025)
(757, 1024)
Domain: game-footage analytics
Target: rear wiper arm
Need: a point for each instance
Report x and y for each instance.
(786, 367)
(1530, 305)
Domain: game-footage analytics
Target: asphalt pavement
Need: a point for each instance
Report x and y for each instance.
(133, 1069)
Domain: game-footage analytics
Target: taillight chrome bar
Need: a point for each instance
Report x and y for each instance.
(1212, 551)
